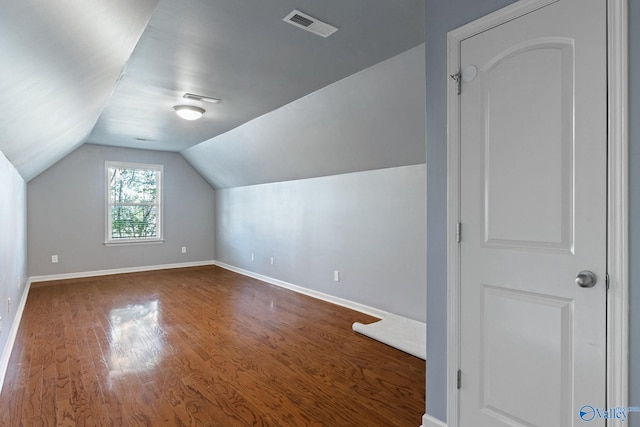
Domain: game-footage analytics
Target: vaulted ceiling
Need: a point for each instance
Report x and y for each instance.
(110, 72)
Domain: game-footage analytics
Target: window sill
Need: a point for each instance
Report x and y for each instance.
(134, 242)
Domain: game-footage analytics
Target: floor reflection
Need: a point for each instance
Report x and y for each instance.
(136, 338)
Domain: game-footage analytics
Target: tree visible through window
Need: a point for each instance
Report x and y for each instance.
(134, 194)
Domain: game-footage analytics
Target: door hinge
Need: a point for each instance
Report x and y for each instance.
(607, 280)
(459, 232)
(459, 379)
(458, 79)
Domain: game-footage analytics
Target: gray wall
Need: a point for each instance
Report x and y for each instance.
(442, 16)
(13, 244)
(66, 214)
(370, 226)
(634, 214)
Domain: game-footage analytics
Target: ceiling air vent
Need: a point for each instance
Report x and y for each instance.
(202, 98)
(309, 23)
(301, 20)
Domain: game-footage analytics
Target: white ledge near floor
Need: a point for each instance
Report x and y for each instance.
(399, 332)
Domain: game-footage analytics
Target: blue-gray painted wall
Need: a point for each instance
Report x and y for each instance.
(188, 214)
(13, 252)
(369, 226)
(442, 16)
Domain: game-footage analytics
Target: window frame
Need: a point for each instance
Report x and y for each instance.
(159, 238)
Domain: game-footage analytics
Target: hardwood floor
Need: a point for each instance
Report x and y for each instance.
(200, 347)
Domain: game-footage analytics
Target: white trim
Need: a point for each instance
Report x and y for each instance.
(13, 333)
(618, 209)
(453, 217)
(618, 182)
(159, 204)
(380, 314)
(132, 242)
(95, 273)
(429, 421)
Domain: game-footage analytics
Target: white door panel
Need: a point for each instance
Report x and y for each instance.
(533, 214)
(504, 348)
(524, 207)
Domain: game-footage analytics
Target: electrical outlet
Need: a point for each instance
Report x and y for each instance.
(184, 249)
(9, 305)
(19, 283)
(253, 257)
(271, 260)
(336, 276)
(54, 259)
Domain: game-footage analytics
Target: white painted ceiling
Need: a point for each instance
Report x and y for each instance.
(109, 72)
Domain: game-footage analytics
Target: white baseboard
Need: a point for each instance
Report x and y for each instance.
(310, 292)
(13, 333)
(429, 421)
(83, 274)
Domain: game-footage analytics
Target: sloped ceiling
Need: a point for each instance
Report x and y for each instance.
(109, 72)
(373, 119)
(60, 63)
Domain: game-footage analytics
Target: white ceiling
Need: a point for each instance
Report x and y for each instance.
(109, 72)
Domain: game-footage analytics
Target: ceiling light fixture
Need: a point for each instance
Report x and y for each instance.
(189, 112)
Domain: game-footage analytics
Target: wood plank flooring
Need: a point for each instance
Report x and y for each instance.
(200, 347)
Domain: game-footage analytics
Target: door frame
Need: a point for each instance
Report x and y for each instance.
(617, 200)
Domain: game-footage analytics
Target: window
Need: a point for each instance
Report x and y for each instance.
(134, 203)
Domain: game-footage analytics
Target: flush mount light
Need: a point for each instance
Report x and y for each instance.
(189, 112)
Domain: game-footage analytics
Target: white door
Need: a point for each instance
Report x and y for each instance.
(533, 215)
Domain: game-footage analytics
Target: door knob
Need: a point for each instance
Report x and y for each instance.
(586, 279)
